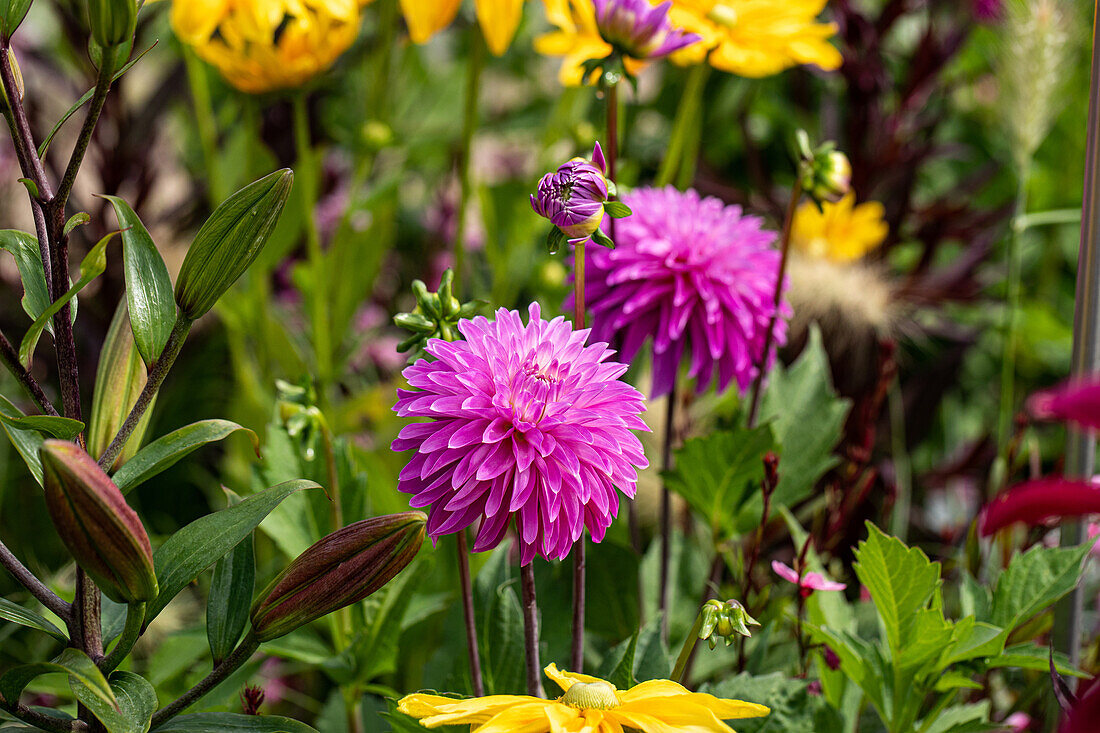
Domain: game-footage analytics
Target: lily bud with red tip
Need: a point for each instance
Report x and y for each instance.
(341, 569)
(104, 535)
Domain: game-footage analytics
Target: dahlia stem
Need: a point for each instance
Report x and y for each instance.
(468, 614)
(666, 504)
(762, 367)
(469, 125)
(579, 561)
(686, 652)
(677, 167)
(531, 630)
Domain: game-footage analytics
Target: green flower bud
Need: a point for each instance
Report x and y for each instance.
(436, 316)
(824, 172)
(119, 380)
(230, 241)
(112, 21)
(724, 619)
(341, 569)
(104, 535)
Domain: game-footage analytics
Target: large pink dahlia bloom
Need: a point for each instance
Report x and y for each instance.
(526, 421)
(692, 274)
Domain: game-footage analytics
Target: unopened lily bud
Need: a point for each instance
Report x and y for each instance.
(12, 13)
(230, 241)
(119, 380)
(726, 619)
(104, 535)
(341, 569)
(824, 172)
(112, 21)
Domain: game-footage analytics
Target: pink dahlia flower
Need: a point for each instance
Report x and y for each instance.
(640, 29)
(808, 583)
(692, 274)
(525, 421)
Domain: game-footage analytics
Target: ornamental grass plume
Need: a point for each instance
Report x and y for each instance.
(526, 422)
(587, 704)
(694, 275)
(265, 45)
(756, 38)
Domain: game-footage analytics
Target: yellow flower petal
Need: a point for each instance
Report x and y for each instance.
(531, 717)
(436, 710)
(840, 231)
(425, 18)
(195, 21)
(564, 679)
(499, 20)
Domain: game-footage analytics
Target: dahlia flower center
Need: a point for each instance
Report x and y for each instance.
(723, 14)
(598, 695)
(533, 386)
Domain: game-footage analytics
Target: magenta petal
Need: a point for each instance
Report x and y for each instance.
(1077, 402)
(1035, 502)
(785, 572)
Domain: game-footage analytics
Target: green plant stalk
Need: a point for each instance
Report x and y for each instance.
(206, 124)
(131, 632)
(1007, 406)
(229, 665)
(341, 620)
(531, 631)
(157, 375)
(107, 66)
(903, 478)
(685, 651)
(474, 67)
(29, 384)
(43, 722)
(307, 172)
(676, 165)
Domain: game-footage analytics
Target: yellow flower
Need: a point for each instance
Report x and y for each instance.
(755, 37)
(262, 45)
(577, 39)
(498, 19)
(840, 231)
(588, 705)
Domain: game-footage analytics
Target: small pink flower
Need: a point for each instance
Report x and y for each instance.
(1094, 532)
(808, 583)
(1077, 402)
(1018, 722)
(1034, 502)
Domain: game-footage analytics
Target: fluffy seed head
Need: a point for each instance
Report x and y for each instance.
(692, 274)
(526, 422)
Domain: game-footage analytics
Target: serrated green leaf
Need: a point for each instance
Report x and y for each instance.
(901, 581)
(793, 708)
(1034, 581)
(1030, 656)
(717, 473)
(165, 451)
(930, 634)
(228, 722)
(974, 640)
(962, 719)
(807, 417)
(651, 660)
(17, 614)
(955, 681)
(91, 267)
(200, 544)
(93, 689)
(149, 296)
(27, 442)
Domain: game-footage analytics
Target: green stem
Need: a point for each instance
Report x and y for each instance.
(469, 125)
(229, 665)
(307, 187)
(341, 620)
(157, 375)
(1047, 218)
(685, 127)
(135, 617)
(207, 125)
(1008, 360)
(99, 97)
(687, 649)
(899, 520)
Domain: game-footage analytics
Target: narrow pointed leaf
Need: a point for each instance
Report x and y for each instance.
(168, 449)
(230, 595)
(27, 442)
(149, 295)
(92, 690)
(200, 544)
(91, 267)
(64, 428)
(229, 722)
(17, 614)
(76, 220)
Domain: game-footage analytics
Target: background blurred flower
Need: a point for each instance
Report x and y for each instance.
(578, 39)
(526, 421)
(588, 703)
(756, 37)
(640, 29)
(263, 45)
(686, 271)
(1077, 401)
(498, 19)
(808, 583)
(842, 231)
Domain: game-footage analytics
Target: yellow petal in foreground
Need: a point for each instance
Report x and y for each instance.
(425, 18)
(499, 20)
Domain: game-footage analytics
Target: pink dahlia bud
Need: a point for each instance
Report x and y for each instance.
(640, 30)
(104, 535)
(573, 196)
(341, 569)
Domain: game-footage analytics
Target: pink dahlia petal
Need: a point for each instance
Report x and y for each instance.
(817, 581)
(1077, 402)
(527, 423)
(1035, 502)
(694, 276)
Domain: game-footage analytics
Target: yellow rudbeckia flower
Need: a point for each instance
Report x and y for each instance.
(588, 704)
(841, 231)
(755, 38)
(498, 19)
(262, 45)
(577, 39)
